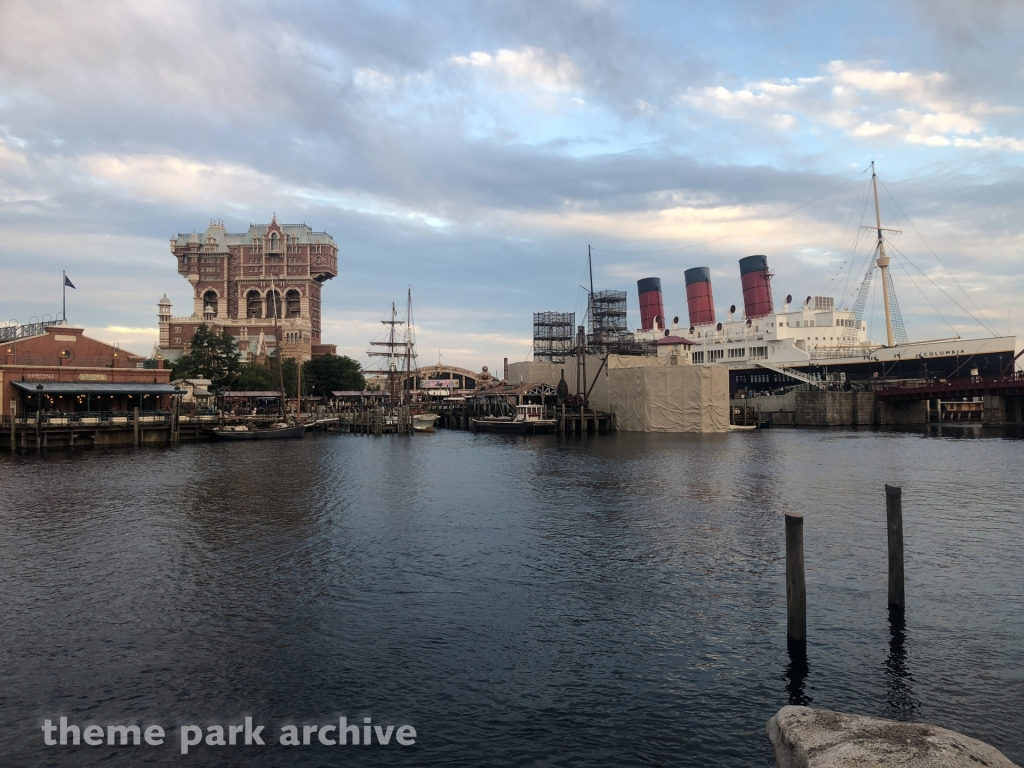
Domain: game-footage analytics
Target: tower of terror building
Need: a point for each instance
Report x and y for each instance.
(243, 283)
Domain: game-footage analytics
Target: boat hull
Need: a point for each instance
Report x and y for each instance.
(284, 433)
(510, 427)
(423, 422)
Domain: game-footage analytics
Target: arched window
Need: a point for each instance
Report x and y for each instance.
(253, 304)
(273, 241)
(273, 304)
(210, 300)
(294, 303)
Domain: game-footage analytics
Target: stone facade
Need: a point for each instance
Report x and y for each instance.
(249, 282)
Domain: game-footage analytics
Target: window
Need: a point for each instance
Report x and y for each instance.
(177, 329)
(715, 354)
(698, 357)
(737, 352)
(177, 339)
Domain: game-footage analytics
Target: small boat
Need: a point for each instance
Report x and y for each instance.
(423, 422)
(529, 420)
(279, 431)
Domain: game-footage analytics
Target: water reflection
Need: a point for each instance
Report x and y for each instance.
(796, 674)
(900, 701)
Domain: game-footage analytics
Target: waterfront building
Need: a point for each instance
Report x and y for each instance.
(55, 368)
(248, 283)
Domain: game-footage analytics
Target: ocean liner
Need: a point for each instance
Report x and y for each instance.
(814, 340)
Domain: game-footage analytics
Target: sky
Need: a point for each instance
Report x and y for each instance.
(472, 151)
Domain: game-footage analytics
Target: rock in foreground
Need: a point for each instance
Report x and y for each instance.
(816, 738)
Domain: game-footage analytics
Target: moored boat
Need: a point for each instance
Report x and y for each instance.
(423, 422)
(528, 420)
(278, 431)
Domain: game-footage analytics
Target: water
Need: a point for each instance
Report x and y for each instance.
(612, 601)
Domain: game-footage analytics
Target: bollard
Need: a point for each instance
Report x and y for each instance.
(135, 422)
(894, 525)
(796, 588)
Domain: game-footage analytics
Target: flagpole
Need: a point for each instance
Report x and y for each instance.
(64, 296)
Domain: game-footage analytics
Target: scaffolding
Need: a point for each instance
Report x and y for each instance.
(608, 320)
(553, 336)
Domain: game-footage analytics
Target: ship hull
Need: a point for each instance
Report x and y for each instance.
(921, 360)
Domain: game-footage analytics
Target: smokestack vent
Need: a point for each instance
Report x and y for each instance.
(700, 303)
(652, 308)
(757, 289)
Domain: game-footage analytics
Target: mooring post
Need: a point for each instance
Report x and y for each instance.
(894, 520)
(14, 426)
(135, 425)
(796, 588)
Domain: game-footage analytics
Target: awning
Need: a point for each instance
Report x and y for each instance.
(269, 393)
(93, 388)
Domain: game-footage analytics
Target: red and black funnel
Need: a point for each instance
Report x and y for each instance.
(699, 301)
(652, 308)
(757, 289)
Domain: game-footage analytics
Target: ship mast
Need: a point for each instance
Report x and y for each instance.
(883, 261)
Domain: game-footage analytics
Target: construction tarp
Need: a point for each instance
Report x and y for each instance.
(646, 394)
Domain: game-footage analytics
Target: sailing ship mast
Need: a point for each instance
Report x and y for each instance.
(398, 350)
(883, 261)
(277, 341)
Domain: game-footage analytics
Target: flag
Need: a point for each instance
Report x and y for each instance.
(68, 283)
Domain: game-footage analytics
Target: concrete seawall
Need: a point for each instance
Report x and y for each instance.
(813, 408)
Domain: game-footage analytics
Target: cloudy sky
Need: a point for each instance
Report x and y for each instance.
(473, 151)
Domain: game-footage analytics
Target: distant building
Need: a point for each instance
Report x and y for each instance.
(242, 282)
(55, 368)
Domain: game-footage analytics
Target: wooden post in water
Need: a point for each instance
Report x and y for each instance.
(796, 588)
(14, 426)
(135, 425)
(894, 520)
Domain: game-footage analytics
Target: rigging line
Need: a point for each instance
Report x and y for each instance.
(736, 234)
(969, 313)
(912, 280)
(909, 221)
(842, 239)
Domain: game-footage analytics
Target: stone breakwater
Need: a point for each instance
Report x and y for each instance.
(817, 738)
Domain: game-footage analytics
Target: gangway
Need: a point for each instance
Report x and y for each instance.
(787, 372)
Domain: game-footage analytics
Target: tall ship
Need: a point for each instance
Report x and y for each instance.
(812, 340)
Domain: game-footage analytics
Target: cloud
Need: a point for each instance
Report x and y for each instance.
(526, 68)
(864, 102)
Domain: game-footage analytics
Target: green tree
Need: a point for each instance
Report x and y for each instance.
(256, 378)
(332, 373)
(211, 356)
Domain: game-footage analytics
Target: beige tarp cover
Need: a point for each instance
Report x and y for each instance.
(646, 394)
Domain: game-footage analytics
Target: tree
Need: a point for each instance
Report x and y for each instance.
(256, 378)
(331, 373)
(211, 356)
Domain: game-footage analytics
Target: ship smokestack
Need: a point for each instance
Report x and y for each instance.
(757, 289)
(652, 309)
(699, 301)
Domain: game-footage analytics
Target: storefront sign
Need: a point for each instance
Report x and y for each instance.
(92, 377)
(64, 337)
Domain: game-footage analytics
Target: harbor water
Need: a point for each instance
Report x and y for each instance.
(518, 601)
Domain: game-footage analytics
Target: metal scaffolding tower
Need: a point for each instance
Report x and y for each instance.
(553, 335)
(608, 319)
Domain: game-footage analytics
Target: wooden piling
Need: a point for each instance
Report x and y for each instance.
(14, 426)
(796, 588)
(135, 424)
(894, 525)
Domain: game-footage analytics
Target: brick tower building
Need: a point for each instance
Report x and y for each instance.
(243, 282)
